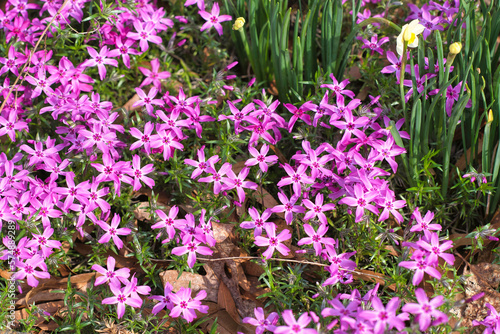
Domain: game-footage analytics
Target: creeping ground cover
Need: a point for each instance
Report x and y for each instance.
(249, 166)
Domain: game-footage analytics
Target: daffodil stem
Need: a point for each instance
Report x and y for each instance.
(401, 78)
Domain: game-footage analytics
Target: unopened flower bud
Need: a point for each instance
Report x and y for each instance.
(238, 24)
(490, 116)
(455, 48)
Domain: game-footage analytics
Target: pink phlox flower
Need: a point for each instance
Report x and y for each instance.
(185, 305)
(390, 205)
(297, 178)
(288, 207)
(94, 199)
(200, 3)
(263, 110)
(137, 289)
(317, 165)
(97, 137)
(42, 241)
(205, 227)
(424, 224)
(170, 223)
(153, 75)
(172, 122)
(125, 49)
(339, 88)
(316, 238)
(430, 23)
(214, 19)
(164, 301)
(122, 297)
(232, 181)
(350, 124)
(345, 313)
(27, 269)
(181, 102)
(238, 116)
(491, 322)
(341, 108)
(298, 113)
(421, 81)
(72, 191)
(17, 252)
(111, 275)
(387, 151)
(157, 16)
(261, 322)
(395, 66)
(145, 32)
(144, 138)
(436, 66)
(12, 62)
(424, 310)
(148, 100)
(294, 326)
(273, 242)
(45, 210)
(101, 59)
(167, 142)
(6, 213)
(17, 28)
(260, 129)
(195, 118)
(374, 44)
(113, 231)
(201, 165)
(217, 176)
(11, 123)
(340, 265)
(323, 109)
(385, 317)
(258, 221)
(38, 154)
(430, 243)
(361, 200)
(316, 209)
(139, 174)
(121, 174)
(192, 247)
(420, 265)
(106, 169)
(260, 158)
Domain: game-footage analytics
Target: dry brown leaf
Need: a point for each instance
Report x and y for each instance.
(226, 324)
(198, 282)
(371, 276)
(142, 211)
(226, 301)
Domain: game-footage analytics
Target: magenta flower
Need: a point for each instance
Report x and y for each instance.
(296, 178)
(317, 209)
(261, 322)
(491, 322)
(391, 206)
(295, 326)
(237, 116)
(144, 138)
(374, 44)
(145, 33)
(123, 297)
(288, 207)
(385, 317)
(424, 310)
(431, 244)
(148, 100)
(201, 165)
(139, 173)
(200, 3)
(164, 301)
(111, 275)
(153, 76)
(125, 49)
(316, 238)
(167, 142)
(10, 126)
(339, 88)
(192, 248)
(298, 113)
(94, 198)
(168, 222)
(273, 242)
(424, 224)
(258, 221)
(421, 265)
(238, 182)
(72, 191)
(185, 305)
(361, 201)
(100, 59)
(44, 243)
(112, 231)
(260, 158)
(27, 270)
(216, 176)
(214, 19)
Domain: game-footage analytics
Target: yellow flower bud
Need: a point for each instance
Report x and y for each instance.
(490, 116)
(238, 24)
(455, 48)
